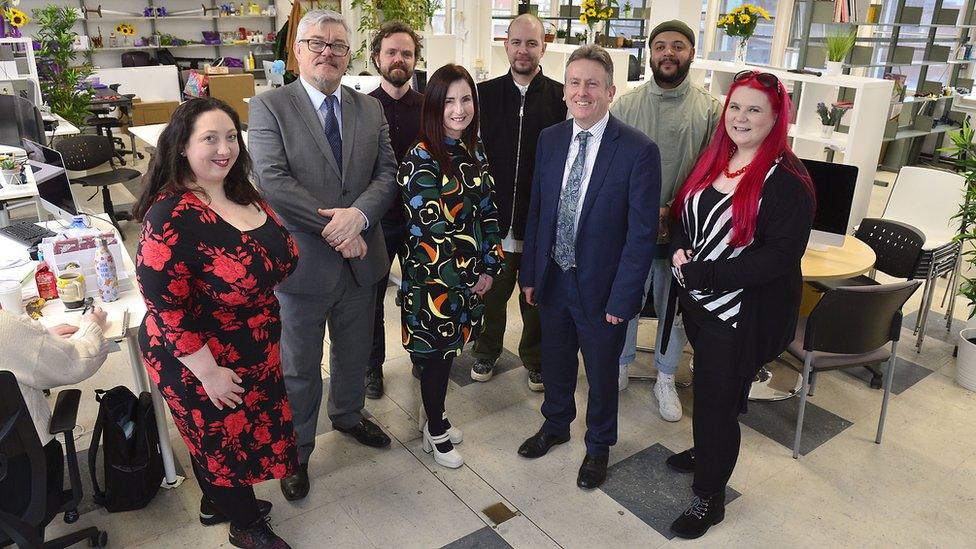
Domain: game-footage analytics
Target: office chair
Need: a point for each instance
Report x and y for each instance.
(23, 462)
(19, 118)
(850, 327)
(85, 152)
(103, 121)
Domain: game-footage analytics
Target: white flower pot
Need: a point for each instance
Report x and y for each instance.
(966, 359)
(826, 131)
(9, 178)
(834, 68)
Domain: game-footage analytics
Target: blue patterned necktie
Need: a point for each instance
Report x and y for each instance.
(564, 251)
(332, 132)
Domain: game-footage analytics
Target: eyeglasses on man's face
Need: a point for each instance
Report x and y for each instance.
(315, 45)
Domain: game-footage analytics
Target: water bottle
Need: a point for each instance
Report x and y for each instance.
(108, 282)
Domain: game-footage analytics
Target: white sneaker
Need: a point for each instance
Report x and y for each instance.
(451, 459)
(667, 397)
(456, 435)
(623, 380)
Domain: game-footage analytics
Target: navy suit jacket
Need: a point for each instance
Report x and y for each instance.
(618, 224)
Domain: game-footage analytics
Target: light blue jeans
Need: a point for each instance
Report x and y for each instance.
(658, 280)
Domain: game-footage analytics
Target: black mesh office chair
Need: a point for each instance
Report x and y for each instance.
(19, 118)
(36, 491)
(104, 121)
(86, 152)
(850, 327)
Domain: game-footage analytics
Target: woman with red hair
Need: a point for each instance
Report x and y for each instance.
(742, 220)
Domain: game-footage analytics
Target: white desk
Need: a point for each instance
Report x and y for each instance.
(12, 193)
(63, 128)
(130, 304)
(149, 134)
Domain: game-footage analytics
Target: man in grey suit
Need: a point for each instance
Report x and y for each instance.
(323, 161)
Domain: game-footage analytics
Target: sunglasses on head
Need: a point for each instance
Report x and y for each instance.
(765, 79)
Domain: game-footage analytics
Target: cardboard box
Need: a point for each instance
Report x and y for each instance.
(152, 112)
(232, 89)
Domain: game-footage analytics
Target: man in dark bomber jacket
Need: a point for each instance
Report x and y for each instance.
(515, 108)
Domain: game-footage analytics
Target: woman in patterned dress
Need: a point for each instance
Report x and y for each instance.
(210, 255)
(453, 249)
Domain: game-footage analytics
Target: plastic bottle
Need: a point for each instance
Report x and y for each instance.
(108, 282)
(47, 283)
(250, 60)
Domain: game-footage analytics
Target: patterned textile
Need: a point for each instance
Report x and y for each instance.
(452, 240)
(332, 132)
(207, 283)
(564, 250)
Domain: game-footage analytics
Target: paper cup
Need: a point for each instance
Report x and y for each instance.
(10, 297)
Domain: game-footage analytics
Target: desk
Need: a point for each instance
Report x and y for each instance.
(836, 262)
(118, 328)
(63, 128)
(149, 134)
(11, 193)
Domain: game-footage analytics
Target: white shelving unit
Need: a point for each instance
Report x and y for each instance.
(860, 146)
(23, 49)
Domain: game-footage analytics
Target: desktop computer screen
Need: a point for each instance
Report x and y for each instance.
(54, 191)
(834, 185)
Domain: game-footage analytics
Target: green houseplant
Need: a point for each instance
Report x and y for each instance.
(9, 171)
(63, 82)
(416, 13)
(838, 43)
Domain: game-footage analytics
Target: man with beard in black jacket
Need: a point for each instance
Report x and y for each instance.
(515, 108)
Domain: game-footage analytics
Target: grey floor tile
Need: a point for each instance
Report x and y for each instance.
(486, 538)
(644, 485)
(777, 420)
(907, 374)
(935, 327)
(461, 371)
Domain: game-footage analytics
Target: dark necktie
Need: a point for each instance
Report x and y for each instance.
(564, 250)
(332, 132)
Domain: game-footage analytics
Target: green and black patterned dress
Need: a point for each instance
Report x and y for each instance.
(452, 240)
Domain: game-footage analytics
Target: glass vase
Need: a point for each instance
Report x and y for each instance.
(740, 51)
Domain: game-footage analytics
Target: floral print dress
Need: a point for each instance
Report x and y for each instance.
(207, 283)
(452, 239)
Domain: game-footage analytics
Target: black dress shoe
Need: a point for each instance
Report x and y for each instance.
(704, 513)
(366, 432)
(210, 515)
(539, 444)
(295, 486)
(374, 385)
(683, 462)
(256, 536)
(593, 471)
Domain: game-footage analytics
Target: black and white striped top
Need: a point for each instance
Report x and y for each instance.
(707, 221)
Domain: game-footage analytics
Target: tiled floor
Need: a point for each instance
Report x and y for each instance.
(915, 489)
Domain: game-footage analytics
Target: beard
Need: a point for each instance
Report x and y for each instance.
(679, 73)
(400, 78)
(525, 72)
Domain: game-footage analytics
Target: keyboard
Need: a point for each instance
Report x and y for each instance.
(26, 233)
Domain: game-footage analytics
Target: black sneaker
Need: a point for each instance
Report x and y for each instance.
(482, 370)
(374, 385)
(535, 381)
(210, 515)
(683, 462)
(256, 536)
(702, 515)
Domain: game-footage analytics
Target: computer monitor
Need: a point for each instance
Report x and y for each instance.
(834, 185)
(54, 192)
(362, 84)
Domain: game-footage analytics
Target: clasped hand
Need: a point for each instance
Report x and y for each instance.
(221, 385)
(342, 232)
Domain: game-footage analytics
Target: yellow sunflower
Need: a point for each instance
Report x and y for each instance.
(744, 19)
(583, 18)
(591, 12)
(16, 17)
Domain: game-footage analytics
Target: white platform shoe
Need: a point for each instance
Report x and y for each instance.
(451, 460)
(456, 435)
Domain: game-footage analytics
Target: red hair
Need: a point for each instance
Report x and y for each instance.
(715, 158)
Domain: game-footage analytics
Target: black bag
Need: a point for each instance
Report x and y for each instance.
(133, 463)
(165, 57)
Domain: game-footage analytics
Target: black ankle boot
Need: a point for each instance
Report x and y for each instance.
(683, 462)
(258, 535)
(704, 513)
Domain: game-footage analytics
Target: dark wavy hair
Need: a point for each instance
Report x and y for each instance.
(169, 172)
(432, 117)
(389, 29)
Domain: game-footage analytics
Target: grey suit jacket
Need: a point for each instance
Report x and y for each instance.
(297, 174)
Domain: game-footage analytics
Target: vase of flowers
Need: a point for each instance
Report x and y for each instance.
(126, 30)
(594, 14)
(741, 23)
(829, 117)
(12, 17)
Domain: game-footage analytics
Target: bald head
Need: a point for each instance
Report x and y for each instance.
(528, 23)
(525, 47)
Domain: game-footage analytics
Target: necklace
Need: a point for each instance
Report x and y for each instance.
(736, 173)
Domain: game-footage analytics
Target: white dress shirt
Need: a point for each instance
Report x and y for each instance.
(592, 147)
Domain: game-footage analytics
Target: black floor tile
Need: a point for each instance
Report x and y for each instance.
(646, 487)
(485, 538)
(461, 371)
(907, 374)
(777, 420)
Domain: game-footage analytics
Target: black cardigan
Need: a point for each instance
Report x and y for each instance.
(768, 270)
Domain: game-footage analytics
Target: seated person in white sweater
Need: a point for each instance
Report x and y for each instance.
(43, 358)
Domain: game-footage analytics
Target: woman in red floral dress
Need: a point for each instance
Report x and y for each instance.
(210, 255)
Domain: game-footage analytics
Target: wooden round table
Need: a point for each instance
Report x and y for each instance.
(777, 381)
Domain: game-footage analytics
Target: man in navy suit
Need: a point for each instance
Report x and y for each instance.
(589, 242)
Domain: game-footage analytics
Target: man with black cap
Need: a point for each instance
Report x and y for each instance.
(681, 118)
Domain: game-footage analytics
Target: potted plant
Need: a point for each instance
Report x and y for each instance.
(741, 23)
(63, 82)
(9, 171)
(627, 10)
(964, 152)
(594, 14)
(838, 45)
(416, 13)
(830, 117)
(560, 36)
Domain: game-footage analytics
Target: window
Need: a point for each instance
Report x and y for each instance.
(761, 44)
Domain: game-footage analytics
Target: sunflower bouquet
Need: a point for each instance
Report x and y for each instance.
(742, 20)
(592, 11)
(10, 15)
(125, 29)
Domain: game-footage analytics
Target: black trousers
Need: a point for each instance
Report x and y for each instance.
(237, 503)
(435, 373)
(394, 234)
(720, 395)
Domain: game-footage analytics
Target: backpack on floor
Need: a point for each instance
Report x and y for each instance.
(133, 463)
